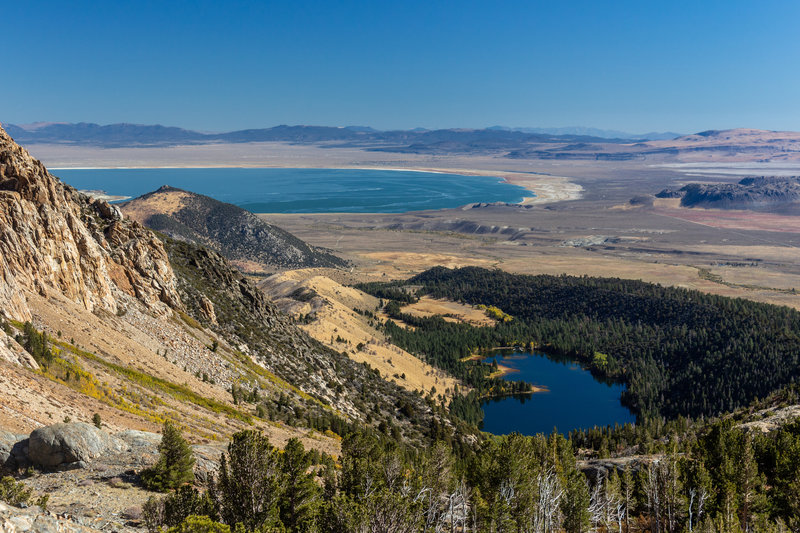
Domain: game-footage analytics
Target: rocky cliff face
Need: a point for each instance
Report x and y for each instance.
(53, 238)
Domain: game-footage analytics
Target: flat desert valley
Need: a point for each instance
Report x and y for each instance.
(588, 217)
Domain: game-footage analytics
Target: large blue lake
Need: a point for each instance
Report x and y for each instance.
(574, 399)
(296, 190)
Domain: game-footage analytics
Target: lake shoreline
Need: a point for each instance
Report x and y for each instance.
(308, 191)
(544, 188)
(504, 370)
(575, 398)
(535, 389)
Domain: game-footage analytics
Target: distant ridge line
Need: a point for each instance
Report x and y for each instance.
(127, 134)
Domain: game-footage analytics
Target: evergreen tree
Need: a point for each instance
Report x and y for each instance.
(298, 501)
(175, 463)
(575, 503)
(248, 489)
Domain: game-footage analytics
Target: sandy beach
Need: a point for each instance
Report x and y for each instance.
(546, 188)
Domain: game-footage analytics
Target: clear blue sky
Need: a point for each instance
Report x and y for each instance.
(636, 66)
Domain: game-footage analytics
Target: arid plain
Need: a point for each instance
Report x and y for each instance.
(589, 216)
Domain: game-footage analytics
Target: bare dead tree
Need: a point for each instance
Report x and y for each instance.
(548, 511)
(392, 470)
(606, 507)
(597, 503)
(697, 500)
(653, 496)
(458, 505)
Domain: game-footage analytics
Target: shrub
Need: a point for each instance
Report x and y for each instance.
(14, 492)
(97, 421)
(175, 463)
(153, 514)
(173, 510)
(199, 524)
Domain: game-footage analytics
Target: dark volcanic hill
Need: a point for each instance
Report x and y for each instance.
(234, 232)
(749, 193)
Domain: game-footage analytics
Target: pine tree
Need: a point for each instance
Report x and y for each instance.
(249, 486)
(175, 465)
(298, 498)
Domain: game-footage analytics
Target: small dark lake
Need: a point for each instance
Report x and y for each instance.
(574, 398)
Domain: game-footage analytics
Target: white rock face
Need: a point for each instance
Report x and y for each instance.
(53, 238)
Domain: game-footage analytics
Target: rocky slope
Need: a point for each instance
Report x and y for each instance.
(155, 321)
(749, 193)
(97, 492)
(226, 302)
(54, 239)
(336, 317)
(234, 232)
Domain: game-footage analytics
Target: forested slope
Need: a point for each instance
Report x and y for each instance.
(680, 352)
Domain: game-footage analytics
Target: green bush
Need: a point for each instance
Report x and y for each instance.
(14, 492)
(175, 465)
(199, 524)
(173, 510)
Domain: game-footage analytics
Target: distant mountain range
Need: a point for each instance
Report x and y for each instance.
(118, 135)
(596, 132)
(736, 145)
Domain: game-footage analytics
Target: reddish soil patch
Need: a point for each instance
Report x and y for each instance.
(735, 219)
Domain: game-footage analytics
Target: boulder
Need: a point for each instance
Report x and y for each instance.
(140, 439)
(7, 441)
(206, 460)
(69, 443)
(35, 520)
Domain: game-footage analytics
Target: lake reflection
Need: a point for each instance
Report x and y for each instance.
(574, 399)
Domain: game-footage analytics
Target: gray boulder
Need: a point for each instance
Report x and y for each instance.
(69, 443)
(7, 441)
(11, 449)
(206, 460)
(140, 439)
